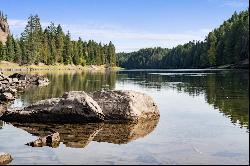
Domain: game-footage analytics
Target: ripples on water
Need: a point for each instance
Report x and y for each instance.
(204, 120)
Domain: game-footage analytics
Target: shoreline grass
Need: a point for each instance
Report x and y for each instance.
(9, 66)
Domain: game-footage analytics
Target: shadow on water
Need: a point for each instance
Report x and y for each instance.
(80, 135)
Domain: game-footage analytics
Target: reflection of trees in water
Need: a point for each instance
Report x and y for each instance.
(63, 82)
(80, 135)
(1, 124)
(226, 90)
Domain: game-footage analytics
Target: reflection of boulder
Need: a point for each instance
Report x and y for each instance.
(124, 133)
(72, 135)
(80, 135)
(1, 124)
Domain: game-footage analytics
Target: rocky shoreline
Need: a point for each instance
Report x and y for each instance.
(10, 85)
(109, 109)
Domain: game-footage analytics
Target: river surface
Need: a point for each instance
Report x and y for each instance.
(204, 120)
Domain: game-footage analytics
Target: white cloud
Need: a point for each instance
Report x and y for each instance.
(15, 24)
(236, 4)
(124, 39)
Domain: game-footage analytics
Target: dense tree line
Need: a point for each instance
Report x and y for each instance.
(51, 46)
(227, 44)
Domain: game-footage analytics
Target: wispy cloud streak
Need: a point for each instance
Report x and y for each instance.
(125, 40)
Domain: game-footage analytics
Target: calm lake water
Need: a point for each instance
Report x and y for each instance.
(204, 120)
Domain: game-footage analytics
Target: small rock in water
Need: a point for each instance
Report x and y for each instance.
(52, 140)
(5, 158)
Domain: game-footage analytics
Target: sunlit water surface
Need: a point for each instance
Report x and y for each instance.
(204, 120)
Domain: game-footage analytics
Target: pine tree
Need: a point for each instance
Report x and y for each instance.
(67, 51)
(1, 51)
(45, 51)
(10, 52)
(18, 52)
(59, 43)
(82, 60)
(211, 40)
(31, 40)
(51, 46)
(111, 57)
(75, 53)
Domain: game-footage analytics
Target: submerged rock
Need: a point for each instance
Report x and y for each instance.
(5, 158)
(72, 107)
(52, 140)
(126, 105)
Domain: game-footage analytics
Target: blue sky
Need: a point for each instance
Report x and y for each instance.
(129, 24)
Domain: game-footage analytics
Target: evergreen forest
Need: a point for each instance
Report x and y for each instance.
(228, 44)
(53, 46)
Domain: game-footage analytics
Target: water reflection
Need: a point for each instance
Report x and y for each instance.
(61, 82)
(226, 90)
(1, 124)
(80, 135)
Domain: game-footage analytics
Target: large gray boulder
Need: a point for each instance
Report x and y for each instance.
(126, 105)
(72, 107)
(5, 158)
(75, 107)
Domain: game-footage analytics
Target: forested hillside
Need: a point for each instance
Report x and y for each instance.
(51, 46)
(228, 44)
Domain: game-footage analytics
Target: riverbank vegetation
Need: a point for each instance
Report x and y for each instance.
(6, 66)
(228, 44)
(52, 46)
